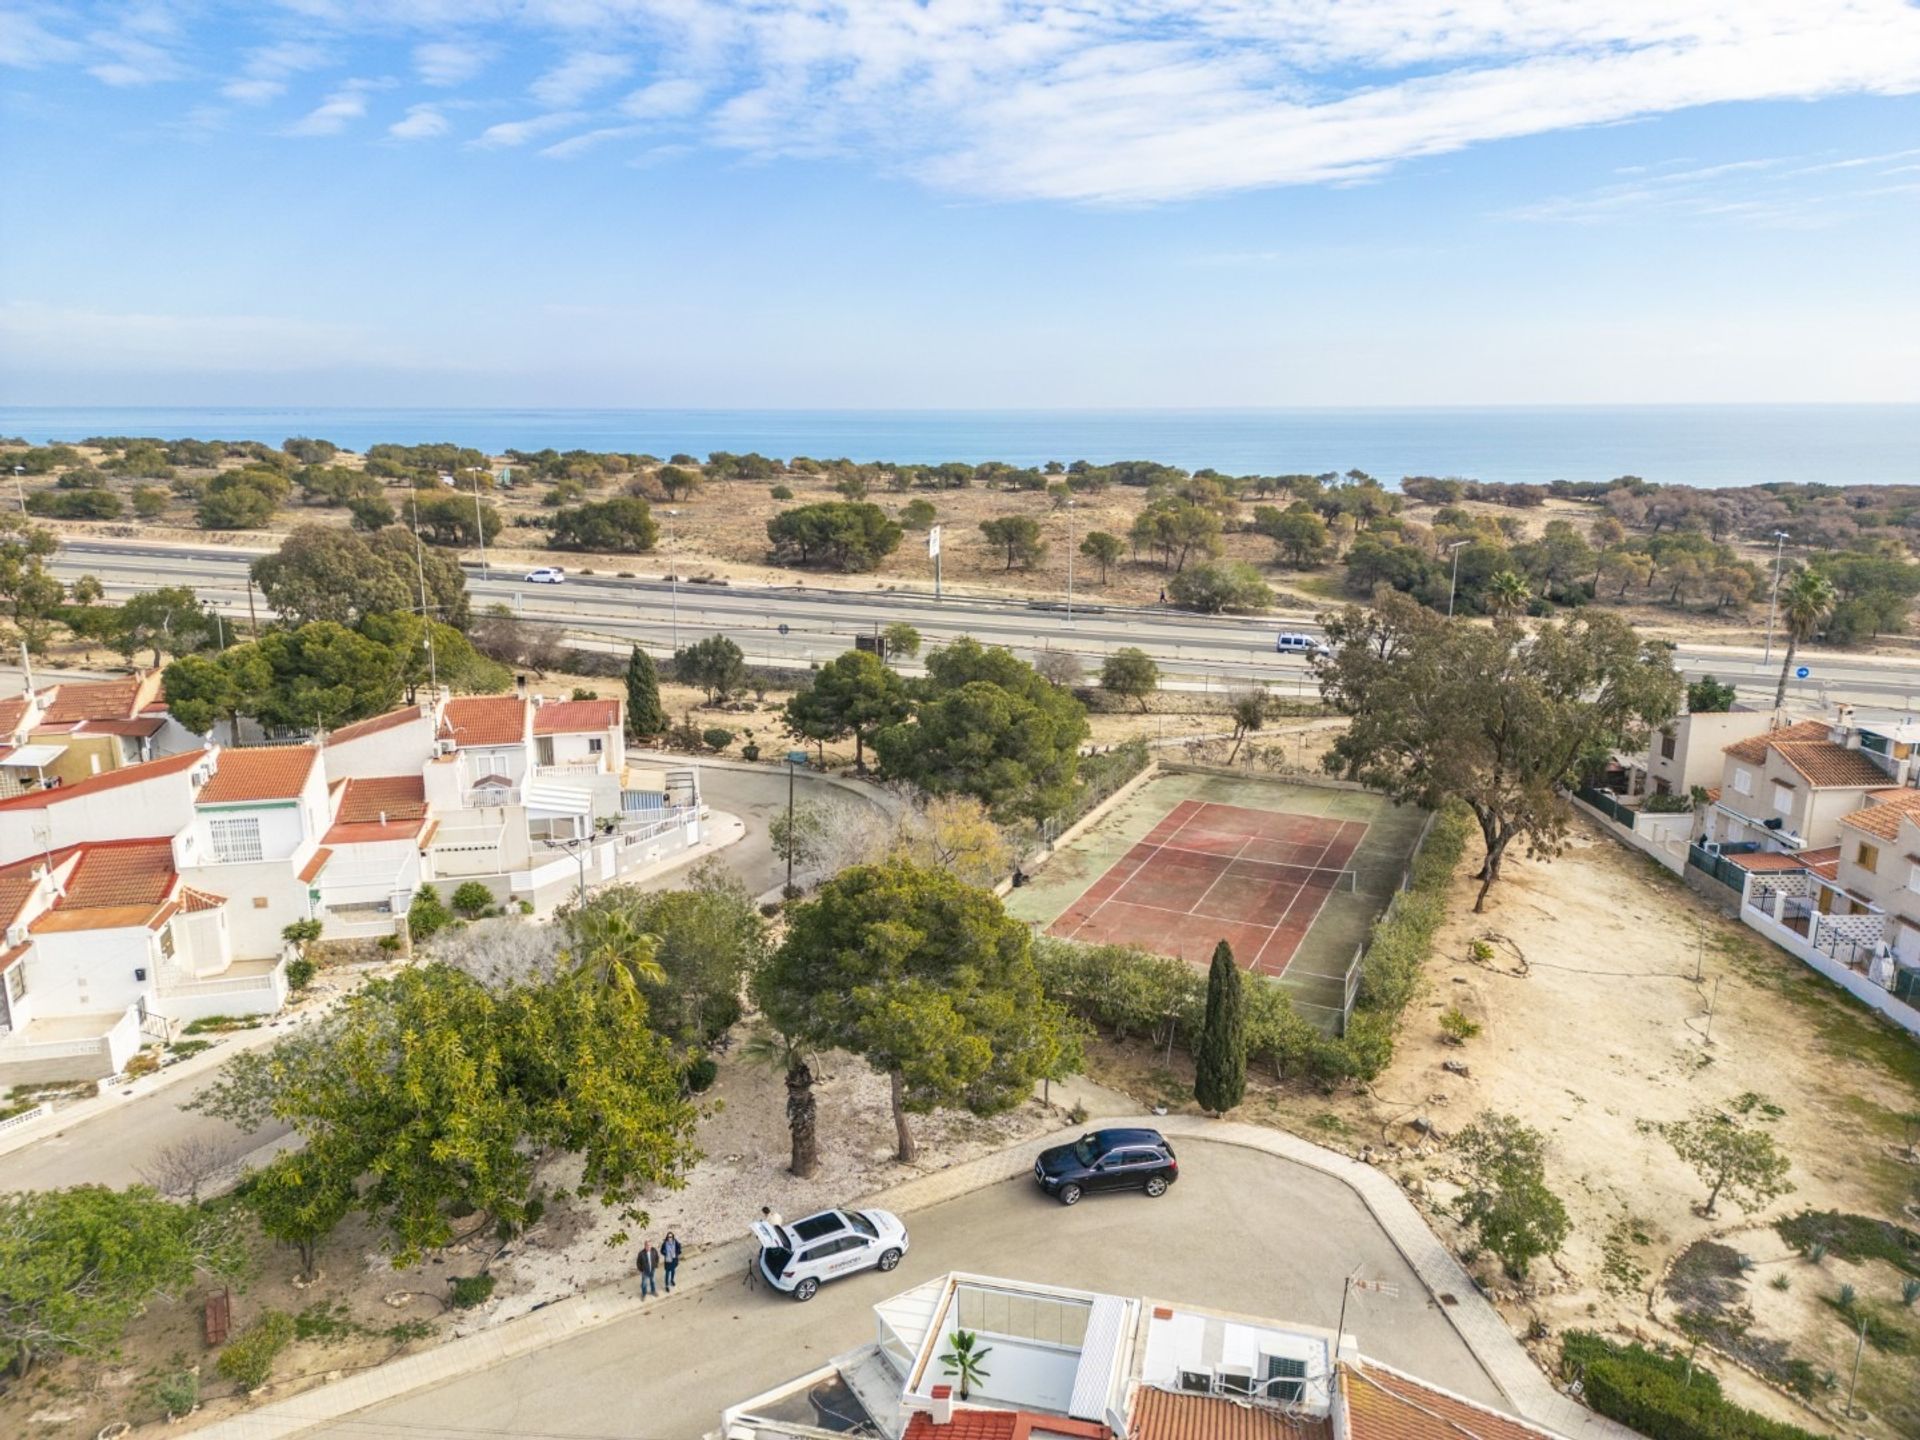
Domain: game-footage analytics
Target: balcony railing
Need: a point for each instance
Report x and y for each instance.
(562, 768)
(491, 795)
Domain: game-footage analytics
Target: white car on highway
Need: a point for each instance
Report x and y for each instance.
(547, 575)
(798, 1258)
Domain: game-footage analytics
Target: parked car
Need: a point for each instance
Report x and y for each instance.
(1292, 643)
(547, 575)
(798, 1258)
(1107, 1160)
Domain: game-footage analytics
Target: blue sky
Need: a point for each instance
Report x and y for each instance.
(959, 202)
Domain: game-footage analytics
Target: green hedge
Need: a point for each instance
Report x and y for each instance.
(248, 1360)
(1652, 1393)
(1137, 994)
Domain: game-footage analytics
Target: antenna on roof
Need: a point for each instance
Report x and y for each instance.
(26, 666)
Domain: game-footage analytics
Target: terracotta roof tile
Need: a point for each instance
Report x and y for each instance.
(194, 901)
(1753, 749)
(576, 717)
(108, 780)
(267, 772)
(12, 711)
(1828, 766)
(398, 797)
(1883, 817)
(113, 884)
(313, 867)
(373, 725)
(1164, 1415)
(971, 1424)
(138, 728)
(485, 720)
(1383, 1404)
(120, 699)
(1765, 862)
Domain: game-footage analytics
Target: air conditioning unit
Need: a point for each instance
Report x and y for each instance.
(16, 935)
(444, 747)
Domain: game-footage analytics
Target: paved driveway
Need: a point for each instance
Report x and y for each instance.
(1241, 1231)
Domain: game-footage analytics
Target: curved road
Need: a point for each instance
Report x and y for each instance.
(1242, 1231)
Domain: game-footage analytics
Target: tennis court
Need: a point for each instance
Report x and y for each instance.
(1290, 875)
(1210, 872)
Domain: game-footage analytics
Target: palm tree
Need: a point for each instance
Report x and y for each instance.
(1805, 601)
(1507, 593)
(963, 1360)
(612, 955)
(767, 1046)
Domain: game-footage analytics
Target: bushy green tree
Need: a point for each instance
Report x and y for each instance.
(1506, 1199)
(1103, 549)
(451, 518)
(1218, 586)
(715, 664)
(1707, 696)
(645, 714)
(1130, 673)
(299, 1200)
(989, 726)
(848, 535)
(243, 499)
(925, 978)
(1733, 1156)
(903, 641)
(1220, 1058)
(1017, 537)
(75, 504)
(852, 694)
(321, 572)
(622, 526)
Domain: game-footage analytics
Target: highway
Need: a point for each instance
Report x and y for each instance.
(796, 625)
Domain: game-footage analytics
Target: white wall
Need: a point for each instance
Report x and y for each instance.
(369, 873)
(401, 750)
(160, 806)
(254, 927)
(91, 972)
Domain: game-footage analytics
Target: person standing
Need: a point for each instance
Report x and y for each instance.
(771, 1216)
(670, 1258)
(647, 1262)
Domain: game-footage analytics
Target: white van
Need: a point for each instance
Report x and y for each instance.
(1293, 643)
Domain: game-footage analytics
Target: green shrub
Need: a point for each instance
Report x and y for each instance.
(700, 1074)
(1654, 1394)
(717, 737)
(178, 1394)
(301, 932)
(181, 1049)
(427, 916)
(300, 973)
(1456, 1027)
(220, 1024)
(472, 899)
(781, 492)
(248, 1361)
(472, 1290)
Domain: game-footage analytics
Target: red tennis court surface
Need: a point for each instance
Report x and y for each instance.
(1207, 873)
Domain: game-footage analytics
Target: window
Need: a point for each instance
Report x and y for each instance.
(596, 744)
(166, 942)
(1782, 798)
(16, 982)
(1913, 878)
(1668, 744)
(862, 1224)
(1743, 782)
(1867, 857)
(236, 839)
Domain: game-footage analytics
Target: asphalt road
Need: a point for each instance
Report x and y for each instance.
(822, 621)
(1241, 1231)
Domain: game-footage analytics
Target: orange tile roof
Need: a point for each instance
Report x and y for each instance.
(398, 797)
(138, 728)
(107, 780)
(194, 901)
(6, 960)
(575, 717)
(120, 699)
(1383, 1404)
(1828, 766)
(16, 888)
(373, 725)
(314, 866)
(971, 1424)
(1165, 1415)
(12, 712)
(1753, 749)
(485, 720)
(113, 884)
(1883, 817)
(267, 772)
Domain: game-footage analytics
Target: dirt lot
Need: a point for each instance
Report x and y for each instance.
(1593, 1030)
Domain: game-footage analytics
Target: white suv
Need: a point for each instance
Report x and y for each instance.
(1290, 643)
(796, 1258)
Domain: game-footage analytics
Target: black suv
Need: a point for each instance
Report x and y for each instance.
(1107, 1160)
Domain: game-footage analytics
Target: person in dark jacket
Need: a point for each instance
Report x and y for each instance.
(670, 1257)
(647, 1262)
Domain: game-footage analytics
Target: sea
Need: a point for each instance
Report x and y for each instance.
(1703, 445)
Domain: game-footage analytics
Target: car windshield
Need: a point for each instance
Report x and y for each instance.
(1086, 1150)
(862, 1224)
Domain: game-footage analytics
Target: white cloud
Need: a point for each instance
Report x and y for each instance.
(577, 77)
(132, 60)
(253, 92)
(579, 144)
(27, 44)
(664, 99)
(336, 112)
(422, 122)
(518, 132)
(446, 63)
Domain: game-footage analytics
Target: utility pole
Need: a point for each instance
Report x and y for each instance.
(933, 549)
(673, 580)
(1454, 583)
(480, 525)
(1773, 598)
(19, 491)
(426, 617)
(253, 618)
(1859, 1348)
(1069, 562)
(789, 889)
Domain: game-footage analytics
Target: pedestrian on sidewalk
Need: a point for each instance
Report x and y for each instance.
(647, 1262)
(670, 1257)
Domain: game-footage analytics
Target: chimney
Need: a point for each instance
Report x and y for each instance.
(941, 1411)
(383, 817)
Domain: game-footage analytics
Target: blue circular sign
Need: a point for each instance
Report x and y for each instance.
(1801, 672)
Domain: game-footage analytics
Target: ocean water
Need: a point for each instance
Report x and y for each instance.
(1682, 444)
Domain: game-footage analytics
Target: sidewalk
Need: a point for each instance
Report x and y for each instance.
(1506, 1363)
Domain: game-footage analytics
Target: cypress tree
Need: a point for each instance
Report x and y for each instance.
(1220, 1059)
(644, 714)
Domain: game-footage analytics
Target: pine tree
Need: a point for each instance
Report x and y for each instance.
(1220, 1059)
(644, 713)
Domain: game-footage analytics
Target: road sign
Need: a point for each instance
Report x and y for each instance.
(1802, 672)
(933, 540)
(784, 627)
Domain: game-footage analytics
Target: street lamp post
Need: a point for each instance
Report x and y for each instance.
(1773, 597)
(789, 890)
(673, 580)
(1069, 562)
(19, 491)
(479, 525)
(1454, 584)
(577, 849)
